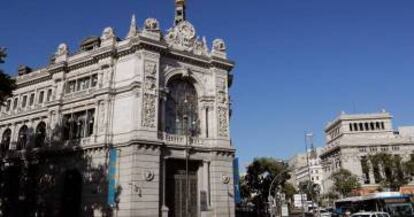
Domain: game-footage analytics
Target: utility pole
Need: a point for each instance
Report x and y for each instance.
(309, 142)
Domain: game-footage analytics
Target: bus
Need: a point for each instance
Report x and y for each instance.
(394, 203)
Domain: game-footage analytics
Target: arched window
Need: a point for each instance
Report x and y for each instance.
(366, 127)
(5, 140)
(40, 134)
(355, 126)
(182, 108)
(23, 137)
(361, 126)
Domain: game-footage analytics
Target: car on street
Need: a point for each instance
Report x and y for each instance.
(370, 214)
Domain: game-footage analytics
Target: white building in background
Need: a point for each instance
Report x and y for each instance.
(307, 166)
(107, 128)
(351, 138)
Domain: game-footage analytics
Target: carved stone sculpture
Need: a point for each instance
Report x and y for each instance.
(108, 33)
(219, 45)
(222, 122)
(148, 119)
(151, 24)
(62, 49)
(183, 37)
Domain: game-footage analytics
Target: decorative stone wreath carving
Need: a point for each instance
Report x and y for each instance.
(149, 175)
(226, 180)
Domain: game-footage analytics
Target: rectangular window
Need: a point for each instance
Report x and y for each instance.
(78, 125)
(86, 83)
(90, 122)
(49, 95)
(70, 88)
(16, 100)
(94, 81)
(8, 105)
(31, 100)
(24, 101)
(41, 95)
(80, 84)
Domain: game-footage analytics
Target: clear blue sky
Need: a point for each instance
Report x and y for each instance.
(299, 62)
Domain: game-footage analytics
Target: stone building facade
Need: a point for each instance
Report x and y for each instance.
(307, 166)
(122, 127)
(352, 138)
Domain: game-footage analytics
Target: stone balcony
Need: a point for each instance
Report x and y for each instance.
(174, 139)
(80, 94)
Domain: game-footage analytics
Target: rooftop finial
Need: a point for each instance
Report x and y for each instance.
(179, 11)
(132, 28)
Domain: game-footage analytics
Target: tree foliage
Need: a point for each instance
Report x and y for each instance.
(409, 166)
(32, 183)
(7, 84)
(255, 185)
(390, 170)
(311, 189)
(289, 190)
(345, 182)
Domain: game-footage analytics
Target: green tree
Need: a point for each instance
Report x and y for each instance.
(260, 174)
(393, 168)
(345, 182)
(310, 189)
(289, 190)
(329, 198)
(409, 166)
(7, 84)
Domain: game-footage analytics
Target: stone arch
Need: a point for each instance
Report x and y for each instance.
(182, 106)
(40, 134)
(183, 72)
(5, 140)
(23, 137)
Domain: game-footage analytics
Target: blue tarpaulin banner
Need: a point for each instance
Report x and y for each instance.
(112, 177)
(236, 177)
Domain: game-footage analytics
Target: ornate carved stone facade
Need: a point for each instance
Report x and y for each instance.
(351, 138)
(110, 97)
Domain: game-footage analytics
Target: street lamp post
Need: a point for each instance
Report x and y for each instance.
(188, 132)
(269, 197)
